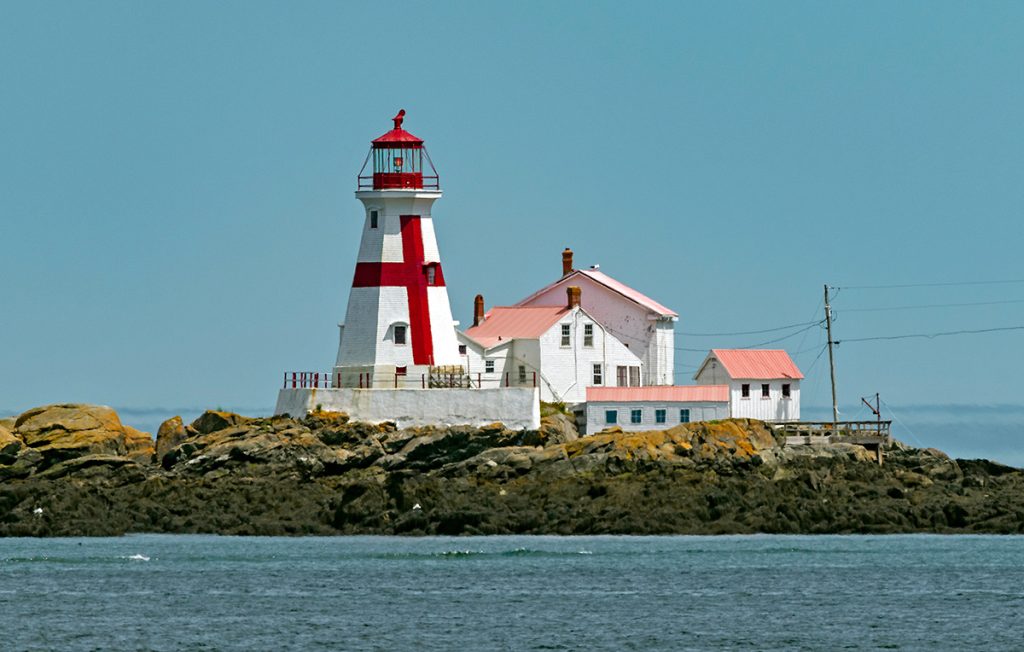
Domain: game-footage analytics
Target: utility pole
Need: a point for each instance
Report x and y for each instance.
(831, 361)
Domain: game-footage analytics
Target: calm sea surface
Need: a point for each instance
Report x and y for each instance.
(165, 592)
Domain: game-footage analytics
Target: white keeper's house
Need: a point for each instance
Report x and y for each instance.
(763, 384)
(562, 349)
(643, 325)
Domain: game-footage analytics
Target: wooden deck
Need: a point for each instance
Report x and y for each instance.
(873, 435)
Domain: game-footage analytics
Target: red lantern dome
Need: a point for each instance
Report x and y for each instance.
(398, 158)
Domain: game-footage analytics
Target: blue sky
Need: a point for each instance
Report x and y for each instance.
(176, 183)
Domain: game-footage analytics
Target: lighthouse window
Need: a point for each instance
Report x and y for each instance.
(566, 334)
(588, 335)
(522, 374)
(373, 219)
(399, 334)
(431, 274)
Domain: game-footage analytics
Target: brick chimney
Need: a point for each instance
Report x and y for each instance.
(566, 261)
(575, 294)
(478, 310)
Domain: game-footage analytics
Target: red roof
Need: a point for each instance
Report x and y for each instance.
(628, 292)
(611, 284)
(523, 322)
(756, 363)
(398, 136)
(661, 394)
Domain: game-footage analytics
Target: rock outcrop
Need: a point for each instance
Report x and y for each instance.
(9, 446)
(64, 432)
(325, 474)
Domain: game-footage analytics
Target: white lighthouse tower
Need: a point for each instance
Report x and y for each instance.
(398, 327)
(398, 356)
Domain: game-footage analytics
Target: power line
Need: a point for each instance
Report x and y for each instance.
(928, 285)
(931, 335)
(767, 330)
(804, 338)
(935, 305)
(784, 337)
(807, 370)
(807, 326)
(900, 421)
(808, 349)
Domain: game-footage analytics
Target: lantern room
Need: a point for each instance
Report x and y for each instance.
(398, 162)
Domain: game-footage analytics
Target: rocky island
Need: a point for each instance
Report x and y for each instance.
(76, 470)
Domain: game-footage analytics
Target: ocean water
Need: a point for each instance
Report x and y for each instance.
(178, 592)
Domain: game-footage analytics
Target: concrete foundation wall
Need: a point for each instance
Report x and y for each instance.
(516, 407)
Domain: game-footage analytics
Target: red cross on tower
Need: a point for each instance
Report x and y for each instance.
(415, 275)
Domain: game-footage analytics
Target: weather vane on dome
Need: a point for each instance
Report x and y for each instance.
(398, 119)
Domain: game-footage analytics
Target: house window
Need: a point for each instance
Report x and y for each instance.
(489, 366)
(588, 335)
(659, 416)
(621, 379)
(785, 390)
(634, 376)
(611, 416)
(598, 376)
(522, 374)
(684, 415)
(566, 334)
(399, 334)
(745, 390)
(765, 391)
(636, 416)
(462, 349)
(373, 219)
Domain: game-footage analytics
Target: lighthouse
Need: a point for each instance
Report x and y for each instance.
(398, 326)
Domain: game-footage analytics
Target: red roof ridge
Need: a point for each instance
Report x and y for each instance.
(612, 284)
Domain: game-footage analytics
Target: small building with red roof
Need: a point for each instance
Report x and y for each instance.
(657, 407)
(763, 383)
(561, 349)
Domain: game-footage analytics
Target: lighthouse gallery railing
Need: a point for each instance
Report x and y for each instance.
(368, 380)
